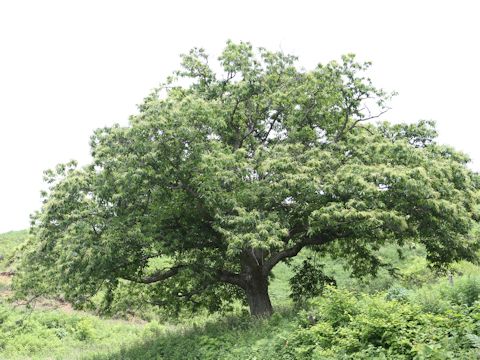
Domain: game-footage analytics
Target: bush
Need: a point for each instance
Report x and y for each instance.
(338, 307)
(430, 300)
(465, 291)
(84, 329)
(397, 293)
(391, 325)
(308, 281)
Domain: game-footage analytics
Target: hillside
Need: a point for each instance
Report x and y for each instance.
(412, 315)
(8, 242)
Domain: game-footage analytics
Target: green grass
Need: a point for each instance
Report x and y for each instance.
(48, 334)
(347, 325)
(414, 315)
(231, 337)
(8, 242)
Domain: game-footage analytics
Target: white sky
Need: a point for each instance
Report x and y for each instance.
(68, 67)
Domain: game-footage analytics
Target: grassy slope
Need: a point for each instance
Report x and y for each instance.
(55, 334)
(436, 320)
(8, 242)
(65, 334)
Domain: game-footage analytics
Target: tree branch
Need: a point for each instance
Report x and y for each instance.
(231, 278)
(274, 119)
(158, 276)
(291, 252)
(368, 118)
(161, 275)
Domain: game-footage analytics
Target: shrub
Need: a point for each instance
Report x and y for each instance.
(308, 281)
(84, 329)
(397, 293)
(465, 291)
(337, 307)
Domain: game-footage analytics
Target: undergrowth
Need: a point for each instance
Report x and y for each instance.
(408, 313)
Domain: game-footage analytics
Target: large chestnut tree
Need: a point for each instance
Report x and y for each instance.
(228, 170)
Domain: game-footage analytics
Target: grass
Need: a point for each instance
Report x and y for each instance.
(232, 337)
(49, 334)
(8, 242)
(351, 322)
(347, 325)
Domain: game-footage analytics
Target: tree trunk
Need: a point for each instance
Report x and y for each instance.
(257, 295)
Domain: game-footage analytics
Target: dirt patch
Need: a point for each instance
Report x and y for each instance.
(40, 303)
(5, 282)
(7, 273)
(5, 279)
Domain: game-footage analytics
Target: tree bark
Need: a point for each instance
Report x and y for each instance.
(256, 290)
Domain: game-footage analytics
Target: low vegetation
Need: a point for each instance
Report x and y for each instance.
(408, 312)
(397, 324)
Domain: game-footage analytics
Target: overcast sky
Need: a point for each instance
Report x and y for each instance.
(68, 67)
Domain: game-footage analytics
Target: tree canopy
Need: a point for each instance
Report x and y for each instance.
(228, 170)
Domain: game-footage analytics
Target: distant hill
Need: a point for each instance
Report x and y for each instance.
(8, 242)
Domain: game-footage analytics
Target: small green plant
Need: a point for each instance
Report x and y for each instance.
(464, 291)
(474, 340)
(308, 281)
(337, 307)
(397, 293)
(84, 329)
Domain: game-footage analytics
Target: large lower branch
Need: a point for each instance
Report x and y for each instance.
(158, 276)
(231, 278)
(291, 252)
(161, 275)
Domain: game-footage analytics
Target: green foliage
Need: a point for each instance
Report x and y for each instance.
(465, 291)
(339, 308)
(308, 281)
(397, 293)
(233, 337)
(372, 327)
(475, 340)
(346, 326)
(224, 175)
(47, 334)
(440, 320)
(8, 243)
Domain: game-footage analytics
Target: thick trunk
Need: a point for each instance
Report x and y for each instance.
(257, 295)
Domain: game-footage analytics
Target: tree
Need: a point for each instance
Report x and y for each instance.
(221, 176)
